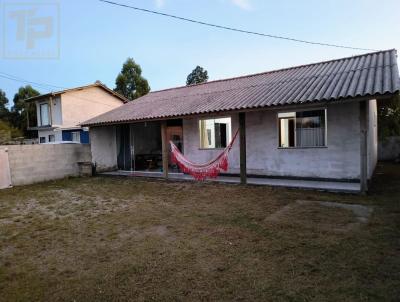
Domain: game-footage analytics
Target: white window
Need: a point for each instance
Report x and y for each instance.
(76, 136)
(215, 133)
(302, 129)
(52, 138)
(44, 114)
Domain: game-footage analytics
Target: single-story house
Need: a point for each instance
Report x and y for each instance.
(315, 121)
(60, 113)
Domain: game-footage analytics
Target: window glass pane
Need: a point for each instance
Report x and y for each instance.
(44, 114)
(51, 138)
(302, 129)
(75, 136)
(310, 128)
(215, 133)
(286, 137)
(42, 140)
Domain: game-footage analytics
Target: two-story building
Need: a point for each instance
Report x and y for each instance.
(59, 114)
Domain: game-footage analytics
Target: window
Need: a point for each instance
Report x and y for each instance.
(44, 114)
(42, 140)
(302, 129)
(75, 136)
(215, 133)
(52, 138)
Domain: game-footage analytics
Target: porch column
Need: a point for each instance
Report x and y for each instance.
(164, 143)
(363, 147)
(242, 136)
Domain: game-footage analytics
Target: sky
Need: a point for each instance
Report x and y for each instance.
(73, 43)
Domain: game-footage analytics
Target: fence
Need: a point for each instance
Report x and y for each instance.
(389, 148)
(27, 164)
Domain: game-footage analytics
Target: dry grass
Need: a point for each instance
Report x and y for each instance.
(103, 239)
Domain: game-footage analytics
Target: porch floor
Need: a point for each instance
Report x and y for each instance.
(336, 186)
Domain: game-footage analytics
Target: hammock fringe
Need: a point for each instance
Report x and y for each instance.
(202, 171)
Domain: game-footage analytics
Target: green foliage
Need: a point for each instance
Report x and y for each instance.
(18, 114)
(198, 75)
(389, 118)
(4, 113)
(8, 132)
(130, 82)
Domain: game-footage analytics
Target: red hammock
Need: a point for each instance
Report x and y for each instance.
(202, 171)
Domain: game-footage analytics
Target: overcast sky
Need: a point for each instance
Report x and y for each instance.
(96, 38)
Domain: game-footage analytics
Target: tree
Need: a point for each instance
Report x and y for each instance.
(389, 118)
(4, 112)
(198, 75)
(20, 109)
(130, 82)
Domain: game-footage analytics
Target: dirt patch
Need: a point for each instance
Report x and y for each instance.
(361, 214)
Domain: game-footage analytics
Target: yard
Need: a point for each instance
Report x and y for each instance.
(103, 239)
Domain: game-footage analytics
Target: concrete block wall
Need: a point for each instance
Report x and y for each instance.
(340, 159)
(36, 163)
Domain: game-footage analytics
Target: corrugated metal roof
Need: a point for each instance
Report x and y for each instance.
(371, 74)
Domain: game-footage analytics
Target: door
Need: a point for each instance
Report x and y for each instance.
(124, 157)
(175, 134)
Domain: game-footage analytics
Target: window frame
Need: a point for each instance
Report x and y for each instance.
(213, 118)
(40, 139)
(78, 134)
(53, 137)
(48, 114)
(302, 110)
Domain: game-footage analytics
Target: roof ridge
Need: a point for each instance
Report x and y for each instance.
(68, 90)
(273, 71)
(277, 82)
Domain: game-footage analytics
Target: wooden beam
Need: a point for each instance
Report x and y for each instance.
(242, 139)
(164, 141)
(363, 147)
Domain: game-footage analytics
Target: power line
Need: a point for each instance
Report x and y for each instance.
(43, 86)
(17, 79)
(232, 28)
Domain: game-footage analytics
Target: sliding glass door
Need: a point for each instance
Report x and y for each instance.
(124, 150)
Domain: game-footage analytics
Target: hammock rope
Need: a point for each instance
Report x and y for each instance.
(210, 169)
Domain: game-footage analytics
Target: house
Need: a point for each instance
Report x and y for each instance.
(60, 113)
(309, 122)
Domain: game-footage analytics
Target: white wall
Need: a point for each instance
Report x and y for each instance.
(340, 159)
(372, 137)
(46, 133)
(103, 145)
(56, 112)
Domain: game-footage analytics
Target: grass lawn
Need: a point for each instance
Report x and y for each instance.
(116, 239)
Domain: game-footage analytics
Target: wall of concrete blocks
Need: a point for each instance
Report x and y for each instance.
(36, 163)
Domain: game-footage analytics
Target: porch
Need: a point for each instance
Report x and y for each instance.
(258, 158)
(324, 185)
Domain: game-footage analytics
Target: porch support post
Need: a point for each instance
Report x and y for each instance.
(164, 143)
(242, 136)
(363, 147)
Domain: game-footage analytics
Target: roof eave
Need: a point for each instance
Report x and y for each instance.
(305, 104)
